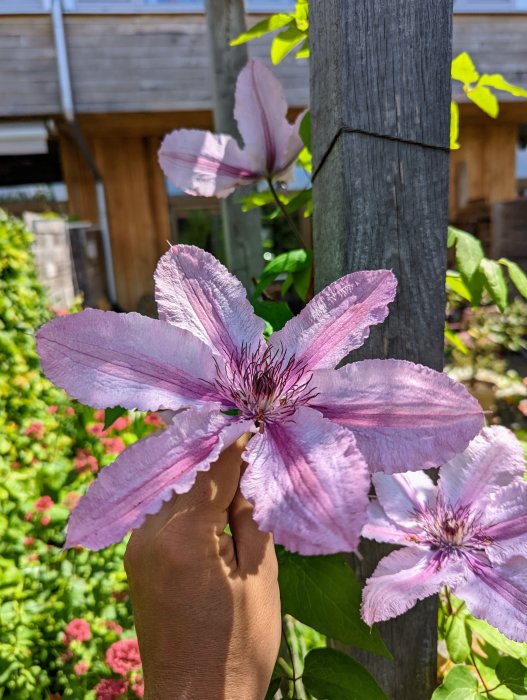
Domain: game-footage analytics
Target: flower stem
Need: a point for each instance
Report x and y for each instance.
(479, 674)
(283, 209)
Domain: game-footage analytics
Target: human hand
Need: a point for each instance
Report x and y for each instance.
(206, 605)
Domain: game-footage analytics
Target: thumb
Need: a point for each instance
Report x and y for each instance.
(254, 548)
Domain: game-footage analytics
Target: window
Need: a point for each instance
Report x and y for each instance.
(490, 6)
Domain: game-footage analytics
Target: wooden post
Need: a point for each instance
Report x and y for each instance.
(380, 92)
(242, 231)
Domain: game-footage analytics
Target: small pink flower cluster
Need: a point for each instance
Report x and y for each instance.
(71, 499)
(36, 430)
(84, 461)
(123, 658)
(113, 445)
(155, 420)
(77, 630)
(41, 506)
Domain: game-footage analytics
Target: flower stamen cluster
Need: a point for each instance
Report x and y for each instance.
(264, 385)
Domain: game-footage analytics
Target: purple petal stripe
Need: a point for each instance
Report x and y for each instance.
(308, 483)
(404, 416)
(148, 473)
(338, 319)
(107, 359)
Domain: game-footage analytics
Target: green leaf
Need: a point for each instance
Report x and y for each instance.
(273, 687)
(332, 675)
(303, 51)
(302, 15)
(513, 674)
(496, 639)
(305, 130)
(264, 27)
(517, 275)
(256, 200)
(456, 284)
(285, 42)
(112, 414)
(464, 70)
(290, 262)
(485, 100)
(459, 684)
(324, 593)
(454, 126)
(469, 251)
(276, 313)
(455, 340)
(458, 639)
(495, 282)
(302, 282)
(498, 82)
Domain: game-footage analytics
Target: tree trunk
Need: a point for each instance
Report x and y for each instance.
(242, 231)
(380, 87)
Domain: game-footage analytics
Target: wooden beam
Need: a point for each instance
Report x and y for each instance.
(380, 94)
(242, 231)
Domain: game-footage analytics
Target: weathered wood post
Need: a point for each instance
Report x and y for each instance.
(380, 93)
(243, 244)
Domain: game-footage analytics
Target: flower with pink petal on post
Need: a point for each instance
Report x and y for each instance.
(468, 533)
(315, 428)
(213, 165)
(123, 656)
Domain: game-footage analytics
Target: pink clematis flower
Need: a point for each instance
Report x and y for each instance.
(202, 163)
(315, 428)
(469, 533)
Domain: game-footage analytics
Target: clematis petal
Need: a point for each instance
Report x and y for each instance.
(404, 496)
(261, 113)
(206, 164)
(492, 460)
(196, 292)
(149, 473)
(292, 151)
(404, 416)
(338, 319)
(383, 529)
(504, 518)
(107, 359)
(498, 594)
(308, 483)
(404, 577)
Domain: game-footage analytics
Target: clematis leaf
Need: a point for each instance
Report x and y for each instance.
(332, 675)
(459, 684)
(303, 51)
(276, 313)
(469, 251)
(498, 82)
(454, 126)
(112, 414)
(485, 100)
(458, 638)
(273, 22)
(285, 42)
(455, 340)
(513, 674)
(490, 634)
(464, 70)
(456, 284)
(517, 275)
(305, 130)
(324, 593)
(495, 282)
(290, 262)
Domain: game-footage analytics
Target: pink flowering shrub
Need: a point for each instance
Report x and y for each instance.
(123, 656)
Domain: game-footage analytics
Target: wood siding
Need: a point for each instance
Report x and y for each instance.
(152, 63)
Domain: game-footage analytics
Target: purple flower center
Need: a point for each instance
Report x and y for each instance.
(452, 530)
(264, 385)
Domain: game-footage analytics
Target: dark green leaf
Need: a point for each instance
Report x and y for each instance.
(324, 593)
(273, 687)
(495, 282)
(513, 674)
(305, 130)
(459, 684)
(302, 282)
(112, 414)
(290, 262)
(264, 27)
(276, 313)
(332, 675)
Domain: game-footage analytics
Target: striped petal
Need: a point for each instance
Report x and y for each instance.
(107, 359)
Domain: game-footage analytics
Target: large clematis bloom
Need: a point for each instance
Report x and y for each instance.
(315, 428)
(469, 533)
(202, 163)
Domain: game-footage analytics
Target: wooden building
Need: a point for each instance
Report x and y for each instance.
(140, 68)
